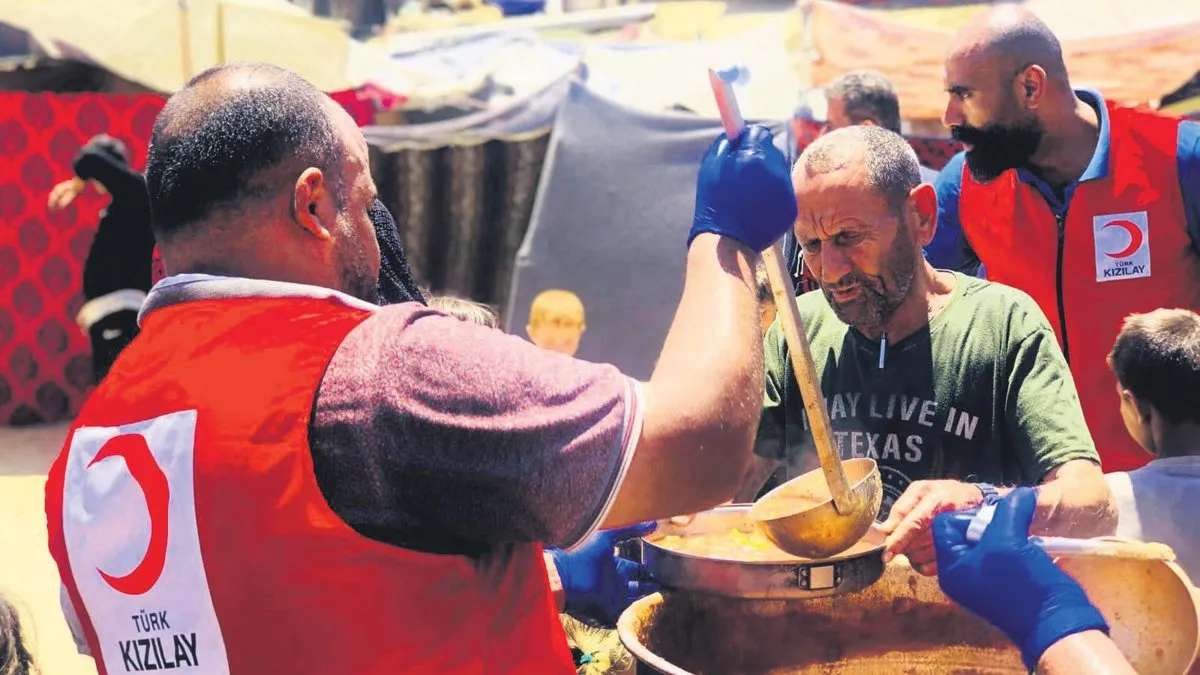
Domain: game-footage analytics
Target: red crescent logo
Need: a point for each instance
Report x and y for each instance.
(157, 491)
(1135, 238)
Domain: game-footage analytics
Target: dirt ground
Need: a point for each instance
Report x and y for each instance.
(28, 576)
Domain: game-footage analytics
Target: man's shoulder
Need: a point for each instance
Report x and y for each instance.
(950, 177)
(994, 303)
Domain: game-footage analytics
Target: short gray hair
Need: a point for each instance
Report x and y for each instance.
(867, 95)
(892, 166)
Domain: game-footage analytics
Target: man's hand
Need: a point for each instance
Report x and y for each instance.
(907, 526)
(598, 583)
(1009, 582)
(64, 193)
(744, 191)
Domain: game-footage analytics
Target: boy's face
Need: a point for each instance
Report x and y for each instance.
(558, 328)
(1135, 422)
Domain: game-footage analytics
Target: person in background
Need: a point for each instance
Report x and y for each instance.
(15, 658)
(1016, 587)
(557, 321)
(952, 384)
(117, 271)
(419, 461)
(1156, 359)
(466, 310)
(1090, 207)
(866, 97)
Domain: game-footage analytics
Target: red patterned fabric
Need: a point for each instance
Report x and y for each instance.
(45, 362)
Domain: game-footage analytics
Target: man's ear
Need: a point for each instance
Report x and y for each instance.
(1030, 86)
(922, 206)
(310, 190)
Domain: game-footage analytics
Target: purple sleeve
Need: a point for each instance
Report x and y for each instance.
(440, 435)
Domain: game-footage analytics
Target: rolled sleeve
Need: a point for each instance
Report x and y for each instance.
(432, 433)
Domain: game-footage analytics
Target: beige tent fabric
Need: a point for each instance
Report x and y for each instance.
(1133, 56)
(141, 40)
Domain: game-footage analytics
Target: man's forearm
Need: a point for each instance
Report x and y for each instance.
(706, 390)
(1075, 501)
(1090, 652)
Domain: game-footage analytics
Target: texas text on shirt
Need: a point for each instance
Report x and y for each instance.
(950, 250)
(427, 434)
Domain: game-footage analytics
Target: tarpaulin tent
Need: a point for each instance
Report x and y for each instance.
(1131, 50)
(160, 44)
(610, 223)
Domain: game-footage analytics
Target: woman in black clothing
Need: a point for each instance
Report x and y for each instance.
(116, 273)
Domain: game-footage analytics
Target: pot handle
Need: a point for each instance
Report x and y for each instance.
(819, 577)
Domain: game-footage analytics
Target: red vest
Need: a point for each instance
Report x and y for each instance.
(1123, 248)
(189, 529)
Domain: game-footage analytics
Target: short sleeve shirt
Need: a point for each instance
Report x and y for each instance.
(981, 393)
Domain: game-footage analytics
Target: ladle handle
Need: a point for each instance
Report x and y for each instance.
(793, 331)
(806, 378)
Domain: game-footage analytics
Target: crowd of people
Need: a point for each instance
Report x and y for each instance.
(318, 444)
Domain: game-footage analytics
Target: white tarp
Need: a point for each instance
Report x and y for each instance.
(142, 40)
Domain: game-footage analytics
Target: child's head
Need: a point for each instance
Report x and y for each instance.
(557, 321)
(1156, 359)
(15, 658)
(466, 310)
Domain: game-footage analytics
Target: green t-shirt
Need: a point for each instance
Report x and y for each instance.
(982, 393)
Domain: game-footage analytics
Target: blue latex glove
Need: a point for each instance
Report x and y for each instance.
(598, 583)
(744, 190)
(1011, 583)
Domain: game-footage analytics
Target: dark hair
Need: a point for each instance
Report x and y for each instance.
(867, 95)
(217, 147)
(15, 658)
(110, 146)
(1157, 358)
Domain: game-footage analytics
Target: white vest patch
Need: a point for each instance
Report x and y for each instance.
(129, 520)
(1122, 246)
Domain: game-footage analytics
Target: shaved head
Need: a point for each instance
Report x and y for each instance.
(1013, 38)
(1005, 78)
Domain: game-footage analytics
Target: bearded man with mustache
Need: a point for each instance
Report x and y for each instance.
(952, 384)
(1092, 208)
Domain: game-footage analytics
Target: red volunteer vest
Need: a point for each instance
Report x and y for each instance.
(189, 529)
(1123, 248)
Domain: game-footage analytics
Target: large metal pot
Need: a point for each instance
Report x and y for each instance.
(901, 624)
(797, 579)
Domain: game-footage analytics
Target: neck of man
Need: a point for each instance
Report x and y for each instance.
(928, 296)
(1068, 145)
(1178, 440)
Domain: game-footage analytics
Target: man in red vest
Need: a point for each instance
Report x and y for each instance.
(279, 476)
(1091, 207)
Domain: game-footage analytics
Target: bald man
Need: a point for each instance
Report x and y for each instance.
(1090, 207)
(952, 384)
(280, 476)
